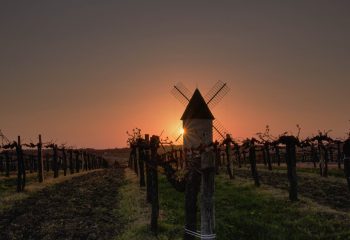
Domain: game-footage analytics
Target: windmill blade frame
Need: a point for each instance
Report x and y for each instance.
(181, 93)
(219, 129)
(216, 94)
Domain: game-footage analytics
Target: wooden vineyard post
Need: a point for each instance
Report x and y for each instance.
(238, 155)
(217, 157)
(71, 166)
(30, 163)
(338, 154)
(85, 158)
(322, 162)
(40, 161)
(252, 160)
(47, 162)
(21, 174)
(264, 156)
(268, 157)
(134, 157)
(7, 156)
(77, 161)
(346, 151)
(291, 142)
(1, 164)
(314, 156)
(140, 155)
(277, 154)
(90, 161)
(64, 159)
(227, 143)
(154, 144)
(191, 192)
(148, 172)
(326, 160)
(55, 161)
(207, 193)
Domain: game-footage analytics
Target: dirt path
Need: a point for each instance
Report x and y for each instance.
(332, 192)
(85, 207)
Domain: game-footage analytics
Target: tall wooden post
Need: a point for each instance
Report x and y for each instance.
(227, 143)
(154, 144)
(148, 169)
(291, 166)
(277, 154)
(268, 157)
(77, 161)
(47, 162)
(40, 161)
(238, 155)
(55, 161)
(71, 166)
(141, 156)
(207, 192)
(252, 160)
(7, 156)
(64, 159)
(338, 155)
(191, 193)
(346, 151)
(21, 173)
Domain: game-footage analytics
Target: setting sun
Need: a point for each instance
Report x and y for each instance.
(182, 131)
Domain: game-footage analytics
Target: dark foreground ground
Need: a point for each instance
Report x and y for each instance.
(81, 208)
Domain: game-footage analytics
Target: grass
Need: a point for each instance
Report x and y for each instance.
(136, 211)
(242, 212)
(332, 171)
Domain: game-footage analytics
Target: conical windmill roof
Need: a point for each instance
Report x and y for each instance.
(197, 108)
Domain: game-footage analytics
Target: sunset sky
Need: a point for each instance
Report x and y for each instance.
(84, 72)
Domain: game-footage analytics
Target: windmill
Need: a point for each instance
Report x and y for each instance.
(4, 139)
(198, 121)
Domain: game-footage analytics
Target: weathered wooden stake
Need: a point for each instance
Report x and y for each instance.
(346, 151)
(55, 161)
(77, 161)
(154, 144)
(141, 157)
(148, 172)
(268, 157)
(21, 174)
(7, 156)
(207, 192)
(292, 174)
(191, 192)
(64, 159)
(71, 165)
(252, 160)
(40, 161)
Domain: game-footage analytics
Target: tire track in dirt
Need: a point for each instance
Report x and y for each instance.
(85, 207)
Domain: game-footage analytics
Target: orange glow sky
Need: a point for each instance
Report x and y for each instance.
(84, 72)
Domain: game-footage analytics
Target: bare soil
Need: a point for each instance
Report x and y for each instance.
(85, 207)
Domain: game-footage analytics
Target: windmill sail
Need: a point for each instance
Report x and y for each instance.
(220, 130)
(181, 93)
(216, 94)
(4, 139)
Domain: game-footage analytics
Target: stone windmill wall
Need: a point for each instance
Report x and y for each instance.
(197, 122)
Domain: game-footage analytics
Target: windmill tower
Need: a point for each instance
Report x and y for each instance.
(198, 122)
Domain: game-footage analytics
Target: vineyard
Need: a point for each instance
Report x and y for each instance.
(315, 170)
(260, 188)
